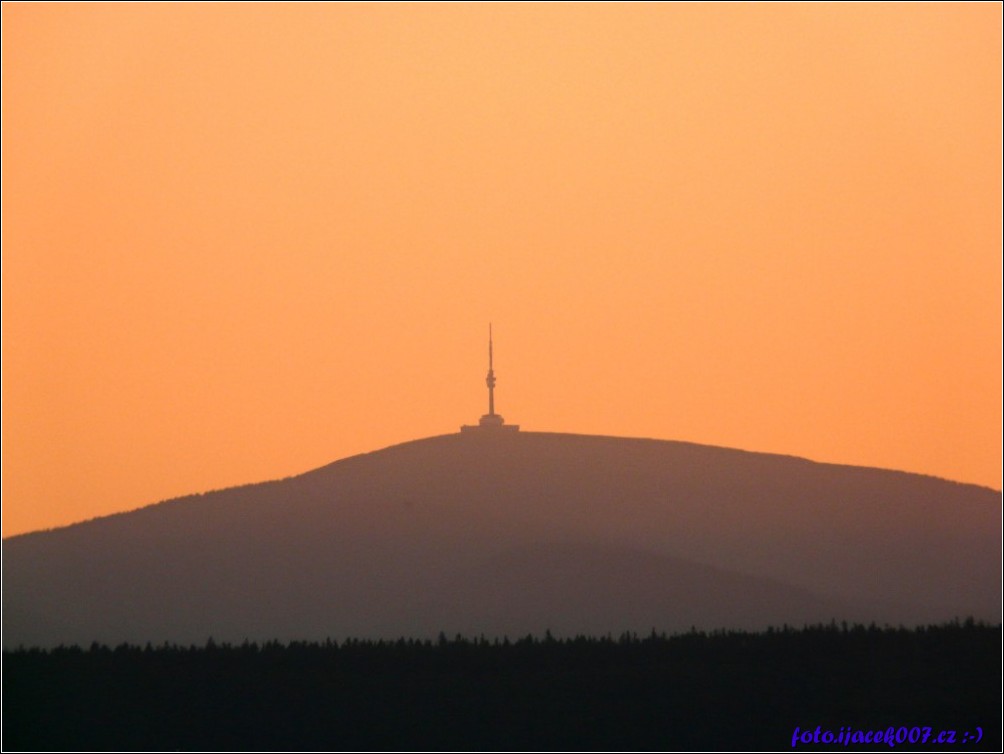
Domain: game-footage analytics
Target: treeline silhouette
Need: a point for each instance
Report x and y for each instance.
(720, 690)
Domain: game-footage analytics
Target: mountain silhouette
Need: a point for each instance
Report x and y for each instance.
(516, 533)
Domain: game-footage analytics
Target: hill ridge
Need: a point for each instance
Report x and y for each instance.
(354, 456)
(480, 533)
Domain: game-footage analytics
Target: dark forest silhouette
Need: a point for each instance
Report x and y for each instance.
(725, 690)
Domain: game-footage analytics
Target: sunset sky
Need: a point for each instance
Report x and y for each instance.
(243, 241)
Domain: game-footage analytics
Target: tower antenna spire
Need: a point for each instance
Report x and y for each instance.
(491, 422)
(490, 380)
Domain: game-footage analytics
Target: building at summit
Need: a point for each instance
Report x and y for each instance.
(490, 422)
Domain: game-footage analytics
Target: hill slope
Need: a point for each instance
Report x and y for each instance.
(515, 534)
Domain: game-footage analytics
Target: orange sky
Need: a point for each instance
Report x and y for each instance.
(240, 242)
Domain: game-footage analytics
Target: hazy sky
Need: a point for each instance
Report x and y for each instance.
(240, 242)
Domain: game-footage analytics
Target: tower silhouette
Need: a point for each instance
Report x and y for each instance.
(490, 380)
(490, 421)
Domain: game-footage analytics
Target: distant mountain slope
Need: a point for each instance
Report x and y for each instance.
(513, 534)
